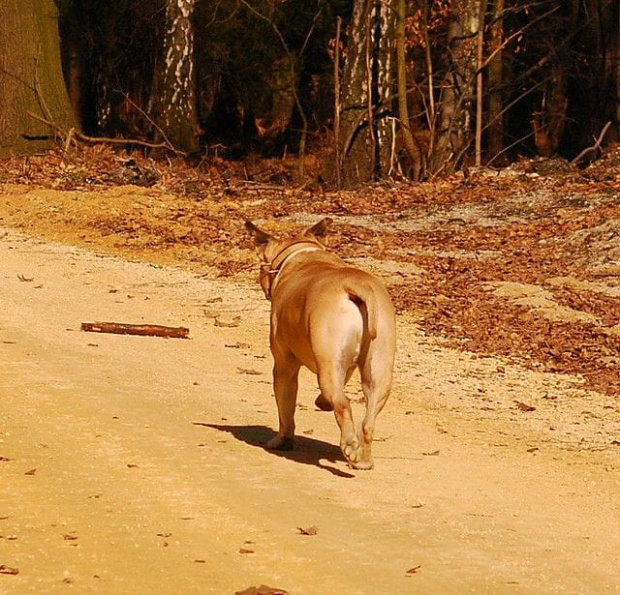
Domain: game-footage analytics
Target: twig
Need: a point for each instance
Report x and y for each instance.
(150, 121)
(74, 134)
(337, 105)
(594, 147)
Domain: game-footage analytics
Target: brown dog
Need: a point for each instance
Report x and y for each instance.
(332, 318)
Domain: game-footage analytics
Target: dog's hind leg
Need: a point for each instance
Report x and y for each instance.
(376, 384)
(285, 388)
(331, 383)
(323, 403)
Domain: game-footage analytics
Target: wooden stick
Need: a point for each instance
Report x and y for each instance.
(594, 147)
(146, 330)
(75, 134)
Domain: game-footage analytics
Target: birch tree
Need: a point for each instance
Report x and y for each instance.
(365, 135)
(32, 89)
(455, 116)
(176, 94)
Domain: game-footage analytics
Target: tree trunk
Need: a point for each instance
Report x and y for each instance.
(480, 81)
(548, 123)
(453, 133)
(413, 148)
(614, 62)
(178, 117)
(365, 125)
(495, 85)
(31, 78)
(284, 81)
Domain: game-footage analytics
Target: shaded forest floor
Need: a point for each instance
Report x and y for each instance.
(522, 263)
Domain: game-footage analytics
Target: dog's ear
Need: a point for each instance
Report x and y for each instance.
(318, 230)
(261, 237)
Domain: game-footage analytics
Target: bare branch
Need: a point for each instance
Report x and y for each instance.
(595, 147)
(68, 136)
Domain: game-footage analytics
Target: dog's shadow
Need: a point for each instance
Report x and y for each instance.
(307, 451)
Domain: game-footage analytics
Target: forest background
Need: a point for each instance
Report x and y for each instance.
(360, 90)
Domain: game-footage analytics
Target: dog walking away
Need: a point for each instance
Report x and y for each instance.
(332, 318)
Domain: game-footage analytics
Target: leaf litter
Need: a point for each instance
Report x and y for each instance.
(534, 224)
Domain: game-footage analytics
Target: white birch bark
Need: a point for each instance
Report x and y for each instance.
(367, 84)
(178, 114)
(453, 134)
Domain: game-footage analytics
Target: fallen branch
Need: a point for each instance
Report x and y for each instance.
(73, 135)
(595, 147)
(146, 330)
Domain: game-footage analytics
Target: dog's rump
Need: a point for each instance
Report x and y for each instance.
(368, 292)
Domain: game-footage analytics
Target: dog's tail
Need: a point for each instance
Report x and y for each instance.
(366, 294)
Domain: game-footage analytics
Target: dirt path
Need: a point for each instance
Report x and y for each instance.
(133, 465)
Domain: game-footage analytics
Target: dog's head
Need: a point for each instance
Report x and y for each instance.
(273, 251)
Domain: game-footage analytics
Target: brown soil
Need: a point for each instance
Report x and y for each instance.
(134, 464)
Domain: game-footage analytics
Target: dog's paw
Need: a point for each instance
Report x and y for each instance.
(362, 465)
(280, 442)
(352, 451)
(356, 457)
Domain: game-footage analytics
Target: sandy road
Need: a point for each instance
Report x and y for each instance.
(133, 464)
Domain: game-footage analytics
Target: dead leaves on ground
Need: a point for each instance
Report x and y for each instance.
(528, 223)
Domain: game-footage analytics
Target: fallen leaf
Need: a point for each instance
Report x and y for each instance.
(31, 472)
(249, 372)
(413, 570)
(262, 590)
(309, 531)
(227, 323)
(8, 570)
(238, 345)
(524, 406)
